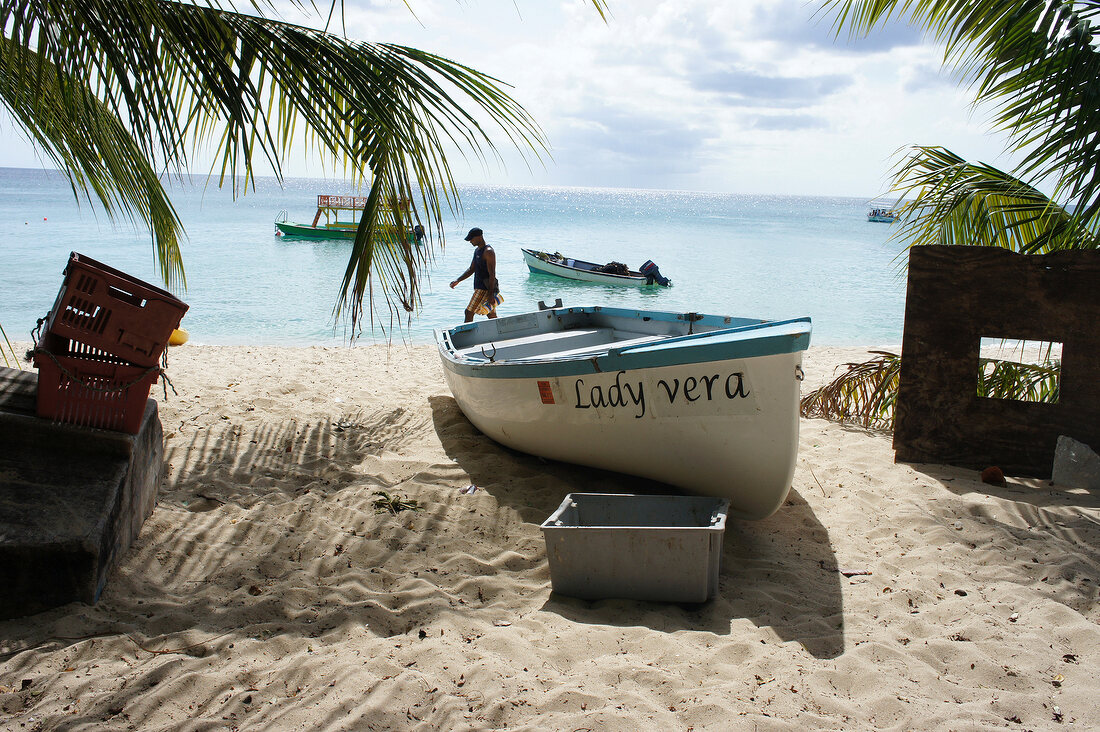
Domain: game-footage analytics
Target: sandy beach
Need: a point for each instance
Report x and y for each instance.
(266, 591)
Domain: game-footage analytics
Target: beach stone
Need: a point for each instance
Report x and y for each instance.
(1076, 465)
(72, 500)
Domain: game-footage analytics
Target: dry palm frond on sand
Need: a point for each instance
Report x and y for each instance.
(865, 394)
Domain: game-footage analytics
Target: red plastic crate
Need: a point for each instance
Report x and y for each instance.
(111, 311)
(79, 385)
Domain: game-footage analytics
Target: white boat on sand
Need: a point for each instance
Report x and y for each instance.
(704, 402)
(578, 269)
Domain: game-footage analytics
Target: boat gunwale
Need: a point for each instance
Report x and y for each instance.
(793, 337)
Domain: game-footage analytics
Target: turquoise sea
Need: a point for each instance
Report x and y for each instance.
(754, 256)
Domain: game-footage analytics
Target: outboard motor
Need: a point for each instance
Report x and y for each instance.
(653, 275)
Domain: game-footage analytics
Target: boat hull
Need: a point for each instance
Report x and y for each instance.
(725, 427)
(315, 232)
(581, 275)
(347, 233)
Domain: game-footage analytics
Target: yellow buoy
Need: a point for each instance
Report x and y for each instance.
(178, 338)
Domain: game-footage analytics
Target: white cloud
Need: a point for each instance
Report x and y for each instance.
(751, 96)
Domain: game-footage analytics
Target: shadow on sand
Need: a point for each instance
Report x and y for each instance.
(1058, 526)
(268, 538)
(258, 488)
(765, 564)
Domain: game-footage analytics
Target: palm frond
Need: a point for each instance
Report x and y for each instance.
(1021, 381)
(1035, 61)
(91, 146)
(1039, 67)
(864, 394)
(949, 200)
(180, 77)
(7, 350)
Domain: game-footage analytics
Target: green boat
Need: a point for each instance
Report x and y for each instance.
(333, 227)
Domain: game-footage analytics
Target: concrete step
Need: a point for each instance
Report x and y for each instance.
(72, 499)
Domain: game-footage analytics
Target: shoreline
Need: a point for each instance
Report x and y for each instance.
(265, 591)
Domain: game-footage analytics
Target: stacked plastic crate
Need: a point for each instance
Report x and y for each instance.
(102, 346)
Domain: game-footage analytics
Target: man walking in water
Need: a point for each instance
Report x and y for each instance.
(484, 269)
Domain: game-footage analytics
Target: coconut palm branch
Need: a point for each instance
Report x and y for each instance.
(6, 350)
(1030, 382)
(1034, 61)
(949, 200)
(81, 135)
(866, 392)
(164, 81)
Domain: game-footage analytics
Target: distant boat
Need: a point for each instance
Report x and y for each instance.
(333, 227)
(605, 274)
(704, 402)
(882, 211)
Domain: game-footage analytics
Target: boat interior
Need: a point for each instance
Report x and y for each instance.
(591, 267)
(580, 264)
(561, 344)
(575, 333)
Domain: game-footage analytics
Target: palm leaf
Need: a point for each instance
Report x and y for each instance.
(949, 200)
(6, 348)
(864, 393)
(178, 78)
(1020, 381)
(80, 134)
(1035, 61)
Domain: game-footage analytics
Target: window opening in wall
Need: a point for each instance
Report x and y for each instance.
(1026, 371)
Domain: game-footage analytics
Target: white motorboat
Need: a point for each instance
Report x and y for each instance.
(704, 402)
(604, 274)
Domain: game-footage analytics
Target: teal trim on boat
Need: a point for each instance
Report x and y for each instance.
(726, 338)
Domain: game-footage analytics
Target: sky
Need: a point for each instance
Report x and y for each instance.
(745, 96)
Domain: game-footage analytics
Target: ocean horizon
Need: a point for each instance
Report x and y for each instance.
(762, 256)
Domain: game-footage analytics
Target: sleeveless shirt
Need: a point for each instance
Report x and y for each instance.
(481, 269)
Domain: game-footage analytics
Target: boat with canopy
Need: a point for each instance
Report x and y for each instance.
(882, 210)
(342, 215)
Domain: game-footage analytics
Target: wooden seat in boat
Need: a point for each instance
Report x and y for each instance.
(596, 349)
(566, 343)
(537, 343)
